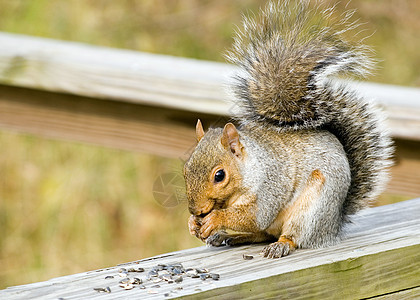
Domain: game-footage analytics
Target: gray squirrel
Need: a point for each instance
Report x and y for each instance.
(309, 151)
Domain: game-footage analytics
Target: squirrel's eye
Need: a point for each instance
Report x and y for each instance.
(219, 176)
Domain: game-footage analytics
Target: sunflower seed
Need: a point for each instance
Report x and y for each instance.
(136, 280)
(123, 274)
(166, 277)
(192, 273)
(138, 270)
(247, 257)
(127, 286)
(203, 276)
(124, 281)
(202, 270)
(156, 279)
(163, 272)
(103, 290)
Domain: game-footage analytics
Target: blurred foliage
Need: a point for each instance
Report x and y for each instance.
(67, 207)
(203, 29)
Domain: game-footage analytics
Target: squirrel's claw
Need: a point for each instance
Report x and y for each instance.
(194, 226)
(277, 249)
(211, 224)
(218, 239)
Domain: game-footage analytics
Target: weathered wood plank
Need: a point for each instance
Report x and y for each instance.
(135, 127)
(158, 130)
(407, 294)
(379, 256)
(157, 80)
(106, 73)
(405, 174)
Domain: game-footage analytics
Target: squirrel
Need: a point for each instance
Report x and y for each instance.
(308, 151)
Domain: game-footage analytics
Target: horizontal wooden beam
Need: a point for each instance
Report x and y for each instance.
(379, 257)
(157, 80)
(150, 103)
(116, 74)
(136, 127)
(405, 174)
(122, 125)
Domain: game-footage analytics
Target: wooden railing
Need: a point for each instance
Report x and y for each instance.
(149, 80)
(379, 258)
(145, 102)
(58, 89)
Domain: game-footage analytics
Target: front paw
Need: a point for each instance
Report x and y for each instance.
(194, 225)
(278, 249)
(218, 239)
(211, 224)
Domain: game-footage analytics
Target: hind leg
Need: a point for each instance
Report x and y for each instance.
(294, 218)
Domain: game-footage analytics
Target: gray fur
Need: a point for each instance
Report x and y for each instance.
(277, 170)
(287, 56)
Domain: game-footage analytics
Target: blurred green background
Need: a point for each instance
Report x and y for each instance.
(68, 207)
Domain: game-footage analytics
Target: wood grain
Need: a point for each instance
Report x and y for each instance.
(158, 80)
(135, 127)
(379, 256)
(405, 174)
(107, 73)
(407, 294)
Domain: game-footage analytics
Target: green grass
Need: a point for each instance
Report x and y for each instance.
(67, 207)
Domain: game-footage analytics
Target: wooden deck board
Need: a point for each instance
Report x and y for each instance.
(380, 256)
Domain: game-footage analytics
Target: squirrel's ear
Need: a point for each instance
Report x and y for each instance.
(199, 131)
(230, 139)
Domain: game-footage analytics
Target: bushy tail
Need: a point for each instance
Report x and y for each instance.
(287, 57)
